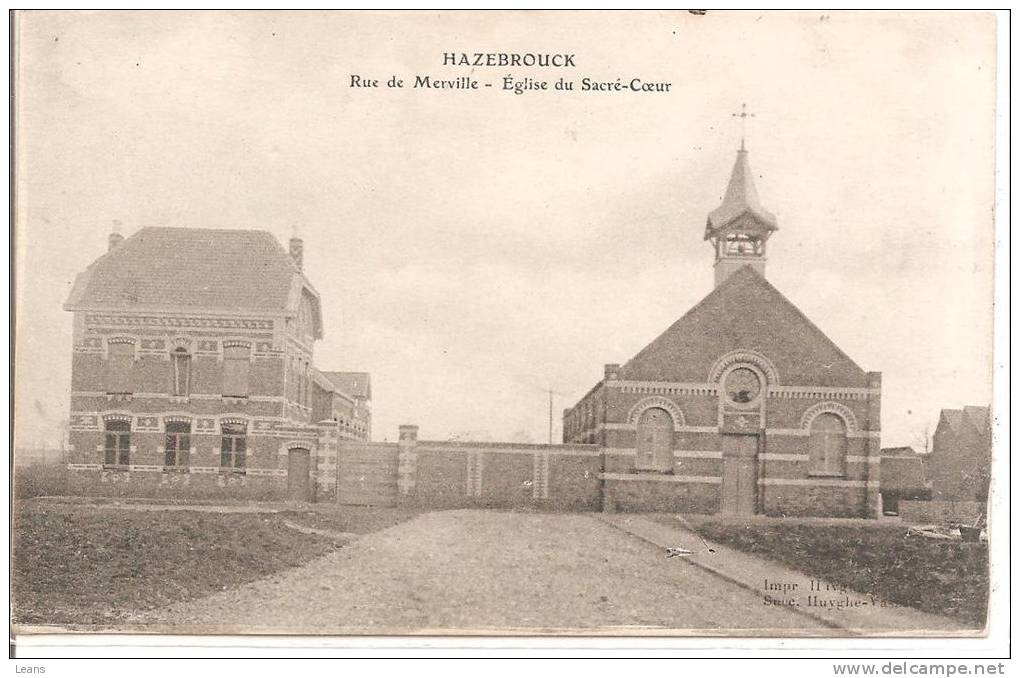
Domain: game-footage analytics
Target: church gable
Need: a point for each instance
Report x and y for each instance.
(745, 313)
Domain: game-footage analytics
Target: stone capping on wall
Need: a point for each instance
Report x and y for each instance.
(661, 478)
(850, 459)
(803, 433)
(657, 402)
(773, 391)
(677, 454)
(733, 358)
(575, 449)
(821, 482)
(664, 387)
(612, 426)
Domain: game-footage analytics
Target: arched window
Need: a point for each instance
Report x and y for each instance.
(654, 441)
(828, 445)
(180, 363)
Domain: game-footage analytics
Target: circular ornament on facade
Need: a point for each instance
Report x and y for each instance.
(742, 386)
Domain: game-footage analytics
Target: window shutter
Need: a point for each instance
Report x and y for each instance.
(119, 365)
(827, 447)
(236, 367)
(181, 365)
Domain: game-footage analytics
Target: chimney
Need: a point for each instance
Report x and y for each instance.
(114, 240)
(610, 371)
(297, 248)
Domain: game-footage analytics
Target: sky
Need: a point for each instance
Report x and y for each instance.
(474, 249)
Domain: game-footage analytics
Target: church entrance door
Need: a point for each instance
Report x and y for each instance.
(740, 461)
(298, 466)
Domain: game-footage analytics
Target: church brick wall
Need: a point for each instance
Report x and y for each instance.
(801, 500)
(654, 495)
(697, 444)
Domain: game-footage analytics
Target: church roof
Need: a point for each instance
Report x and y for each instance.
(741, 198)
(745, 313)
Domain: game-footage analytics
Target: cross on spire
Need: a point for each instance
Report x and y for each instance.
(743, 115)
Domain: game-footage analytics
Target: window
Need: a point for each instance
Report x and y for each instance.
(236, 366)
(827, 445)
(742, 386)
(117, 452)
(119, 362)
(180, 363)
(233, 448)
(654, 441)
(177, 450)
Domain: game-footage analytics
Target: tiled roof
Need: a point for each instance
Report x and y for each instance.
(745, 312)
(975, 416)
(978, 416)
(741, 197)
(954, 418)
(357, 384)
(190, 268)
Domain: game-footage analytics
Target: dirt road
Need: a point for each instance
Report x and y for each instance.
(477, 571)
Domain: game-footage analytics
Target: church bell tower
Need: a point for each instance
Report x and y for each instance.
(740, 227)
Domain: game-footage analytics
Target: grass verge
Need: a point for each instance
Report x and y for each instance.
(79, 565)
(949, 578)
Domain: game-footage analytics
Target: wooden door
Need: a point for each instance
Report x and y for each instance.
(368, 473)
(739, 482)
(298, 467)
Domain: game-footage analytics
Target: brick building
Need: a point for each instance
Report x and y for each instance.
(959, 465)
(193, 372)
(743, 405)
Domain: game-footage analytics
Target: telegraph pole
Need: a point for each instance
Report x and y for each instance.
(550, 415)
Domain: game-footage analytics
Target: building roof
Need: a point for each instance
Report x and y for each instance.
(971, 415)
(194, 269)
(357, 384)
(741, 198)
(902, 474)
(977, 416)
(745, 312)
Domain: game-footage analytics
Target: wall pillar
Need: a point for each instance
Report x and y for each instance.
(873, 442)
(407, 460)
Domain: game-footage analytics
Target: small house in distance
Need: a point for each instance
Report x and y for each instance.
(959, 465)
(903, 477)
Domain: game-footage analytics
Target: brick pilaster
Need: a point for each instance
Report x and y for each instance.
(407, 459)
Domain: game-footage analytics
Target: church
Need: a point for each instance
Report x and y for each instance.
(743, 406)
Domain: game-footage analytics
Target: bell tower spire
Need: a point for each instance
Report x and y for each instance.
(740, 227)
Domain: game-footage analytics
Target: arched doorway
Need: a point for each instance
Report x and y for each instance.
(298, 472)
(654, 441)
